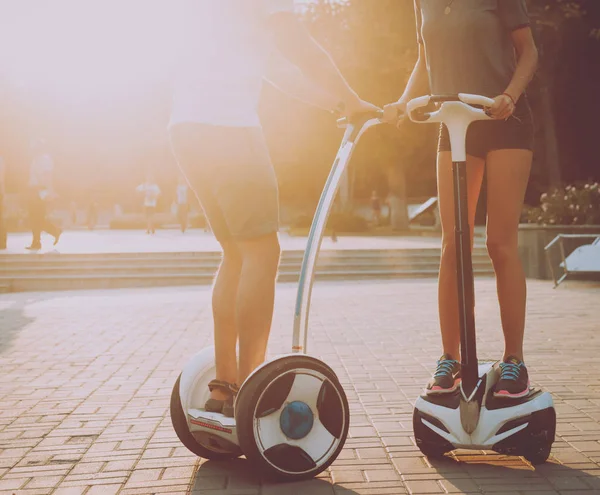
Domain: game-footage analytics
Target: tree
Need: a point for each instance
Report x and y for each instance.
(551, 22)
(374, 44)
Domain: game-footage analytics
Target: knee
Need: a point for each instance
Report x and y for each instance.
(448, 249)
(501, 249)
(272, 251)
(232, 256)
(264, 252)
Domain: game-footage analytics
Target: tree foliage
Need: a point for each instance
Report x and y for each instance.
(374, 44)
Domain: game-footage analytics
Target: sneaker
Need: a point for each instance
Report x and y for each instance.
(514, 379)
(446, 378)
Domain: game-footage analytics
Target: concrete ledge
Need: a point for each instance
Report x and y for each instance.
(533, 238)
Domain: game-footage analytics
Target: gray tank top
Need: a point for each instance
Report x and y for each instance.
(468, 47)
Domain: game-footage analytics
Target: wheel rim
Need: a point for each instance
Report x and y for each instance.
(299, 421)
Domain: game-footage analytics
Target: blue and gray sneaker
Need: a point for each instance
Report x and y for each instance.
(446, 378)
(514, 379)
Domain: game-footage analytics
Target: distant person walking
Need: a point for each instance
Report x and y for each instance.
(376, 208)
(38, 194)
(151, 193)
(3, 233)
(92, 215)
(182, 204)
(73, 213)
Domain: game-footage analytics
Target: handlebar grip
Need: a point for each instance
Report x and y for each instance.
(476, 99)
(421, 101)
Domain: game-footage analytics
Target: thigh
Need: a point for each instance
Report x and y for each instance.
(193, 151)
(247, 189)
(507, 177)
(475, 169)
(230, 171)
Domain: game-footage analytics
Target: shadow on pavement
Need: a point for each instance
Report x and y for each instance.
(470, 475)
(239, 474)
(12, 320)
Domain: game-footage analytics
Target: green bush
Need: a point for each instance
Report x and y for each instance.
(570, 205)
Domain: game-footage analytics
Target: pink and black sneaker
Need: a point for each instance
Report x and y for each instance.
(446, 378)
(514, 379)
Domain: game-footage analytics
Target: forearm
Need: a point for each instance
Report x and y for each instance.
(295, 44)
(526, 67)
(291, 81)
(418, 83)
(317, 65)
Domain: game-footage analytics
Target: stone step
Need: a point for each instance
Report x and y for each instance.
(52, 256)
(119, 280)
(56, 259)
(210, 266)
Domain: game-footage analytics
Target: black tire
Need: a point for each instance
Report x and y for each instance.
(180, 426)
(431, 450)
(430, 443)
(247, 402)
(538, 454)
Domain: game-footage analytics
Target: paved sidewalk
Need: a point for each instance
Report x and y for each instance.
(137, 241)
(85, 380)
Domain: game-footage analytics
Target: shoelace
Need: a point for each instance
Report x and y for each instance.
(509, 371)
(444, 367)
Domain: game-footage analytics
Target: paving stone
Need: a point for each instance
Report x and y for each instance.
(73, 490)
(423, 487)
(90, 407)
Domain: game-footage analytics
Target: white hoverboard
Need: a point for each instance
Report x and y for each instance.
(291, 413)
(471, 417)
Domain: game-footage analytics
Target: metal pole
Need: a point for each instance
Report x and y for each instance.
(465, 283)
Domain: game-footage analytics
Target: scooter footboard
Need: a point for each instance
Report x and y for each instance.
(353, 132)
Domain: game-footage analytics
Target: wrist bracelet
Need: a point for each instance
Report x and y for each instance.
(511, 98)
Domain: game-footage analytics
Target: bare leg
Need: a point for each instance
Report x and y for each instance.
(255, 300)
(508, 174)
(447, 289)
(223, 305)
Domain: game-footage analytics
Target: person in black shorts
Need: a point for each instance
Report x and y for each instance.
(222, 62)
(481, 47)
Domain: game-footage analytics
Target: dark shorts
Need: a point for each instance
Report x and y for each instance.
(516, 133)
(230, 171)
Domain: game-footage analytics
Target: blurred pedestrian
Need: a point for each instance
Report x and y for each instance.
(39, 193)
(151, 193)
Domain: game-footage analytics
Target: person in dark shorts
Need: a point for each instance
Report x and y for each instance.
(218, 142)
(3, 233)
(38, 195)
(482, 47)
(376, 207)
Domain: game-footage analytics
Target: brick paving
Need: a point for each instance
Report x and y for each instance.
(86, 378)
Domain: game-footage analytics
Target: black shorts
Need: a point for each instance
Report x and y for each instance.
(484, 136)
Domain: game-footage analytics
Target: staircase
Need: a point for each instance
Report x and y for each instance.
(52, 271)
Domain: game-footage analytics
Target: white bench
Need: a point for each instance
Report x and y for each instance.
(583, 260)
(415, 211)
